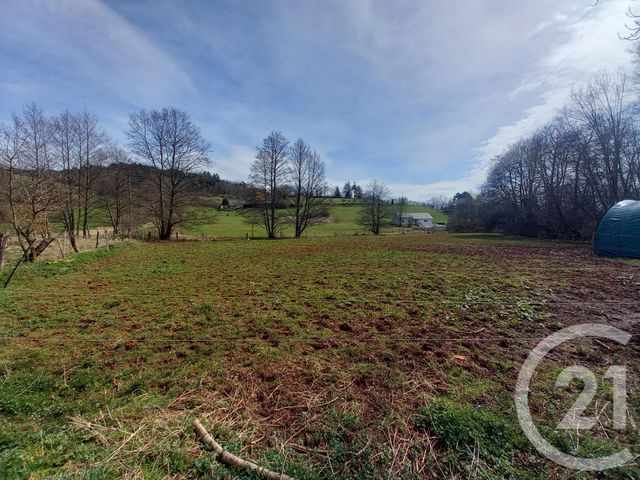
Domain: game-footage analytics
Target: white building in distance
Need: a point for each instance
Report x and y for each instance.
(419, 220)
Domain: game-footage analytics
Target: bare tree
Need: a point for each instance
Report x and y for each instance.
(115, 189)
(306, 174)
(66, 140)
(601, 108)
(91, 144)
(168, 140)
(79, 147)
(30, 186)
(375, 207)
(9, 148)
(562, 179)
(439, 202)
(633, 29)
(268, 177)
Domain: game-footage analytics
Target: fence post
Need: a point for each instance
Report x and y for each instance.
(4, 244)
(64, 245)
(97, 238)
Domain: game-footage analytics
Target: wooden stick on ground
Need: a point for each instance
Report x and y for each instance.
(230, 459)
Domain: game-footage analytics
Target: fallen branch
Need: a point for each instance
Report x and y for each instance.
(303, 449)
(230, 459)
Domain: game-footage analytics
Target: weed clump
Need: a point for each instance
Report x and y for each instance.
(470, 432)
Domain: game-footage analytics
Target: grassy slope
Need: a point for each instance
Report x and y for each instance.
(343, 220)
(98, 217)
(301, 354)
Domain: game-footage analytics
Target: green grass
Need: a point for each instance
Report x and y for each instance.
(327, 358)
(470, 431)
(209, 222)
(214, 223)
(343, 219)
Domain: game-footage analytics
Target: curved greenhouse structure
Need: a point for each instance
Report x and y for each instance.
(618, 234)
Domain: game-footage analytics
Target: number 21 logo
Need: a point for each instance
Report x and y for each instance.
(574, 418)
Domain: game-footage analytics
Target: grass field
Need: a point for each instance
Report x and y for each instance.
(327, 358)
(343, 219)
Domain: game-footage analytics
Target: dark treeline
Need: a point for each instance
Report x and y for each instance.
(349, 190)
(211, 183)
(199, 183)
(561, 180)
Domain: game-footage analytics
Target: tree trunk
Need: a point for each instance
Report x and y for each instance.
(34, 251)
(72, 240)
(69, 222)
(4, 242)
(164, 233)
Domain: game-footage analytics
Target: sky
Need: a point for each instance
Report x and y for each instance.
(420, 95)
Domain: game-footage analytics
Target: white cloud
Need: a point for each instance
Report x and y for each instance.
(535, 117)
(471, 70)
(87, 41)
(419, 94)
(547, 23)
(235, 165)
(424, 192)
(591, 44)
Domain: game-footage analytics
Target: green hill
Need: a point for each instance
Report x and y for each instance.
(343, 219)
